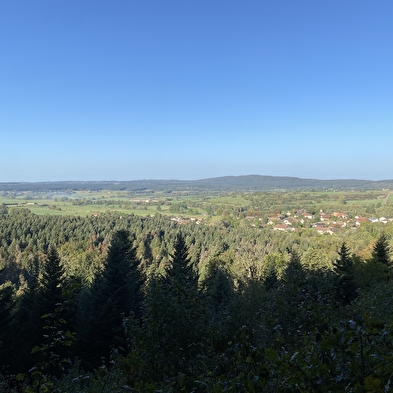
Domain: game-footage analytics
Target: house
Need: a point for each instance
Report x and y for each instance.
(340, 215)
(291, 221)
(324, 217)
(282, 227)
(360, 220)
(323, 230)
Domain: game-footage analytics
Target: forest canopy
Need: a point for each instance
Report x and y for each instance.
(116, 301)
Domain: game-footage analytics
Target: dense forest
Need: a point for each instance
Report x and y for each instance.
(114, 303)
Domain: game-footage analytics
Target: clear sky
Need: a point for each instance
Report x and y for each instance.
(190, 89)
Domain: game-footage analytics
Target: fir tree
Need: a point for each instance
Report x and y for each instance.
(294, 273)
(345, 285)
(7, 304)
(116, 293)
(217, 288)
(270, 280)
(181, 280)
(42, 306)
(51, 283)
(173, 323)
(381, 253)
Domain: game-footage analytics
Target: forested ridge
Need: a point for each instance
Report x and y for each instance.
(227, 183)
(114, 303)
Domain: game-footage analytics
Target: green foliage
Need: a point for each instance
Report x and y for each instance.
(345, 285)
(353, 356)
(7, 304)
(173, 318)
(262, 316)
(114, 295)
(381, 253)
(51, 283)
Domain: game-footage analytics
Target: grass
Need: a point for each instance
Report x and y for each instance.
(125, 203)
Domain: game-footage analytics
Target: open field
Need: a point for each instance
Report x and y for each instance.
(84, 203)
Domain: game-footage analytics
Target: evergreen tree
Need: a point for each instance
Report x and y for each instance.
(345, 285)
(270, 280)
(174, 320)
(51, 284)
(7, 304)
(181, 280)
(115, 294)
(42, 307)
(381, 250)
(294, 274)
(26, 327)
(381, 253)
(217, 289)
(180, 287)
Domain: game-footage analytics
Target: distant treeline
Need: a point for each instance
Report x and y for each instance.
(227, 183)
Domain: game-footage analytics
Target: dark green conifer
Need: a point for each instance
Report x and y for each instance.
(181, 280)
(345, 285)
(115, 294)
(381, 250)
(7, 304)
(42, 306)
(51, 283)
(173, 323)
(217, 288)
(381, 253)
(270, 280)
(294, 274)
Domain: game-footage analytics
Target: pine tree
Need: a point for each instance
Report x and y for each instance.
(294, 273)
(217, 288)
(51, 283)
(43, 309)
(345, 285)
(7, 304)
(115, 294)
(174, 320)
(270, 280)
(181, 280)
(27, 329)
(381, 253)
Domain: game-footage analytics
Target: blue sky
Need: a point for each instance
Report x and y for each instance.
(186, 89)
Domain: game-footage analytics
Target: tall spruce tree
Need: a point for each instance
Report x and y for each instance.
(181, 280)
(7, 303)
(42, 308)
(115, 294)
(345, 285)
(174, 320)
(381, 253)
(381, 250)
(51, 284)
(26, 329)
(181, 291)
(218, 289)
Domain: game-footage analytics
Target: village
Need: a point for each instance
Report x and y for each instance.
(322, 222)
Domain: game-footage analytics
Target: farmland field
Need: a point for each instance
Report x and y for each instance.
(82, 203)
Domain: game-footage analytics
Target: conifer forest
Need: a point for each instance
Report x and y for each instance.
(243, 294)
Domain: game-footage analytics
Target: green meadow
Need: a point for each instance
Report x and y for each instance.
(83, 203)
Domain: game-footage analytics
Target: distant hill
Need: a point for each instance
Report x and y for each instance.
(226, 183)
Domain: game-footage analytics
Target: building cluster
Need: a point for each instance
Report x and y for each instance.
(321, 222)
